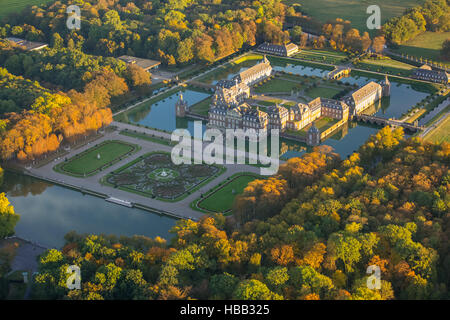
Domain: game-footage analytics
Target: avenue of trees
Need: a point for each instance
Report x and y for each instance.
(311, 234)
(433, 15)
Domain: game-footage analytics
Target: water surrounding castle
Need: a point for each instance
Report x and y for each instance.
(230, 108)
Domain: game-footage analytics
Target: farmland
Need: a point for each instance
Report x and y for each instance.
(352, 10)
(10, 6)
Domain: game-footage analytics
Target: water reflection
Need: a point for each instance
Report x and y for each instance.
(48, 212)
(161, 115)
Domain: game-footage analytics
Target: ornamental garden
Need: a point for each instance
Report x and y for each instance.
(155, 175)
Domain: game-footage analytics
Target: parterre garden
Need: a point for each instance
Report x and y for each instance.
(97, 158)
(155, 175)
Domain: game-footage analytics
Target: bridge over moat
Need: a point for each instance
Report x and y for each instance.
(383, 122)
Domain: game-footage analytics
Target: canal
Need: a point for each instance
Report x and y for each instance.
(48, 212)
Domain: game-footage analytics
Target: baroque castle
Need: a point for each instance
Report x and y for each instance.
(229, 109)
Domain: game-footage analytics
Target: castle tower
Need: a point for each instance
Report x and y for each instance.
(313, 136)
(181, 107)
(386, 85)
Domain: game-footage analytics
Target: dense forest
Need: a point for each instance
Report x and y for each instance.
(175, 31)
(308, 233)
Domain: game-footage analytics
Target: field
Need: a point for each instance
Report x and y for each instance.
(322, 92)
(331, 57)
(277, 85)
(323, 123)
(353, 10)
(202, 107)
(221, 200)
(9, 6)
(385, 66)
(389, 63)
(88, 162)
(426, 45)
(441, 133)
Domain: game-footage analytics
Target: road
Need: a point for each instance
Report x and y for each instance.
(434, 126)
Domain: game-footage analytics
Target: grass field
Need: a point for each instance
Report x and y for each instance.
(10, 6)
(324, 56)
(441, 133)
(277, 85)
(426, 45)
(353, 10)
(323, 123)
(202, 107)
(322, 92)
(222, 199)
(389, 63)
(87, 163)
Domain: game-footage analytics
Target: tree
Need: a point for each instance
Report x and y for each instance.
(57, 41)
(296, 33)
(277, 277)
(378, 44)
(445, 52)
(185, 52)
(136, 76)
(254, 290)
(223, 285)
(8, 218)
(309, 281)
(345, 248)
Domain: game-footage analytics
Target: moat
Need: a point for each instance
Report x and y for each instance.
(48, 212)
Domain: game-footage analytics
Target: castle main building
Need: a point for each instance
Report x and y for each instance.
(367, 95)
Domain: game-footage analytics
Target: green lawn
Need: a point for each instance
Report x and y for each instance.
(222, 199)
(87, 163)
(389, 63)
(9, 6)
(426, 45)
(441, 133)
(331, 57)
(353, 10)
(247, 57)
(202, 107)
(322, 92)
(277, 85)
(322, 124)
(377, 67)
